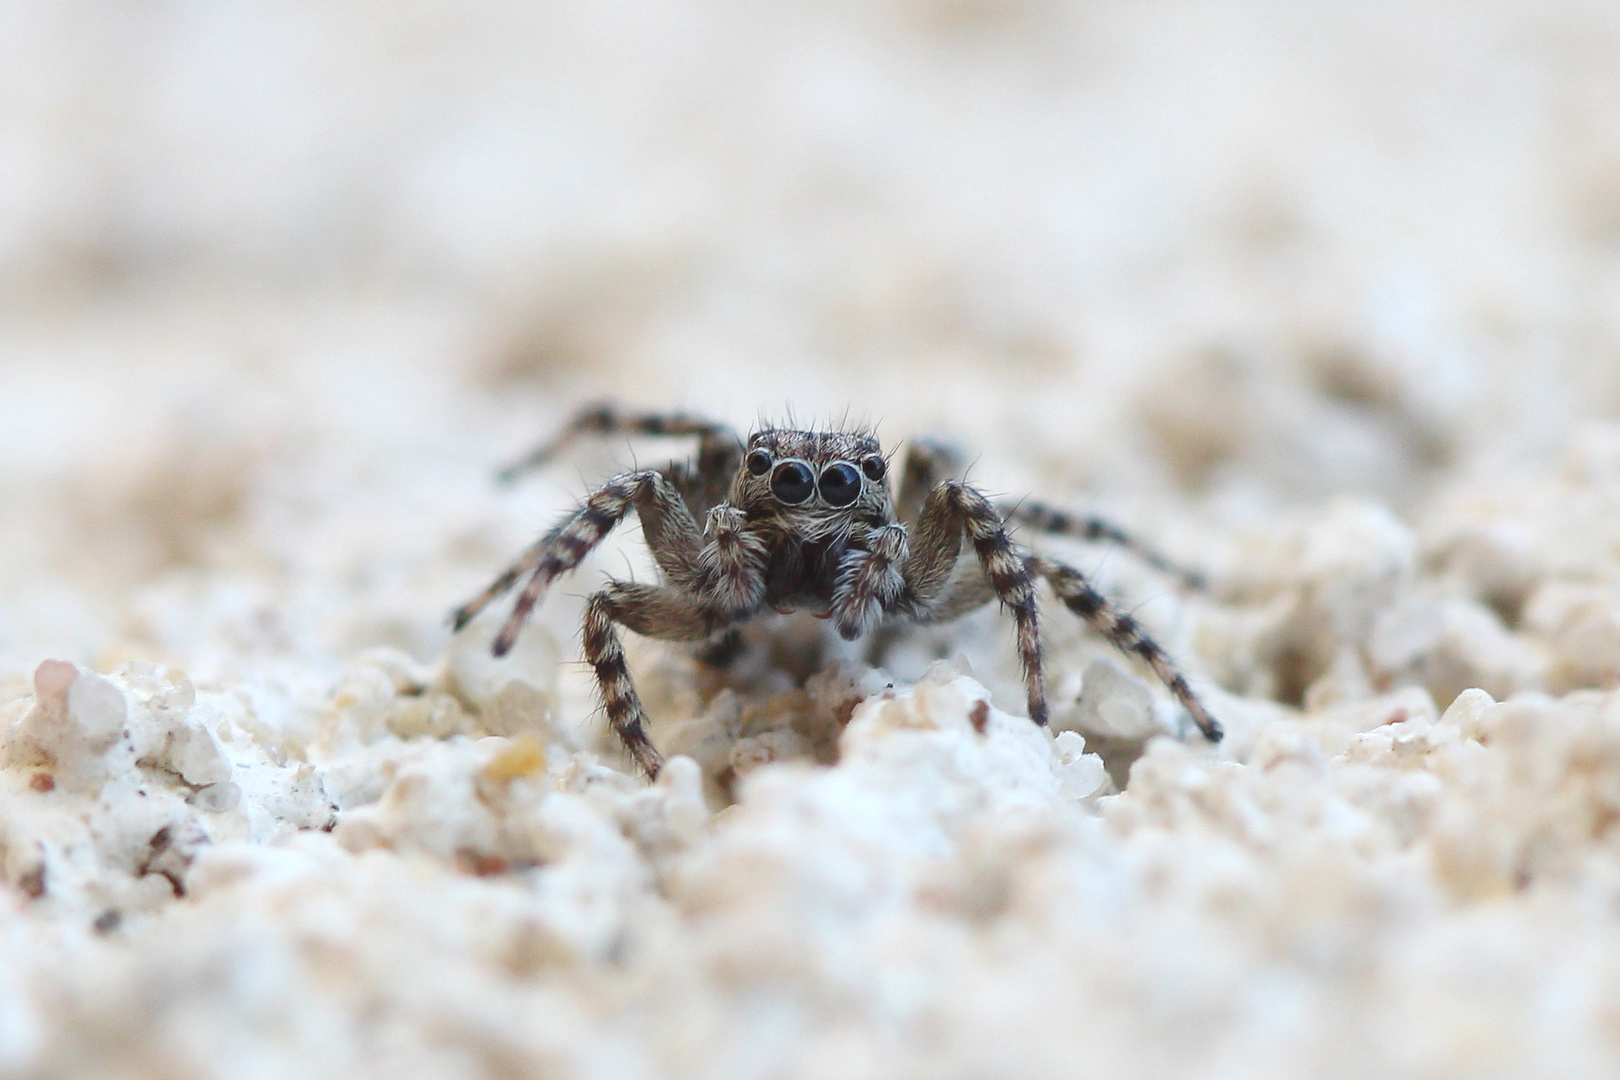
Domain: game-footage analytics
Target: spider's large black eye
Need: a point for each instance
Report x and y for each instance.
(840, 484)
(759, 462)
(874, 467)
(792, 482)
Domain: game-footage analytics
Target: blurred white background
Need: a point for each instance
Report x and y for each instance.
(280, 282)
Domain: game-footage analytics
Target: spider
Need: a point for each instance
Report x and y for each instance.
(804, 521)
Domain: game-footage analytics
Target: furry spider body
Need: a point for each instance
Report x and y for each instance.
(802, 521)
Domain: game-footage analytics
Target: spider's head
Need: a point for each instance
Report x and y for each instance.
(813, 484)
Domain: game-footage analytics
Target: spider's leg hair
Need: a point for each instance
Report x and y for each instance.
(1126, 635)
(656, 611)
(667, 524)
(952, 510)
(619, 699)
(1095, 529)
(507, 578)
(607, 419)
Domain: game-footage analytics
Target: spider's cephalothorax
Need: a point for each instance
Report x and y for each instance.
(804, 521)
(812, 499)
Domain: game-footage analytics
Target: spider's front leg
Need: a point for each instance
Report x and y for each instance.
(656, 611)
(714, 588)
(671, 534)
(1125, 633)
(951, 510)
(1092, 529)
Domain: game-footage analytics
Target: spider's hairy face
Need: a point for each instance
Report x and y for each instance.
(813, 484)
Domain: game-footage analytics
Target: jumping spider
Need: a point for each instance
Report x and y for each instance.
(804, 521)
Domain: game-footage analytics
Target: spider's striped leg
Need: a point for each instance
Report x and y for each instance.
(1091, 528)
(525, 563)
(657, 611)
(668, 525)
(607, 420)
(951, 510)
(1125, 633)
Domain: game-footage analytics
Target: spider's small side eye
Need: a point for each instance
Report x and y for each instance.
(793, 482)
(759, 462)
(874, 467)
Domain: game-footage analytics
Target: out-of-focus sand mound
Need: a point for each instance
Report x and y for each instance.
(1325, 303)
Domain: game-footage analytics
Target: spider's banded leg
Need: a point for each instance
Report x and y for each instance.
(671, 534)
(656, 611)
(869, 582)
(607, 420)
(1088, 527)
(928, 463)
(606, 657)
(1126, 634)
(525, 563)
(951, 510)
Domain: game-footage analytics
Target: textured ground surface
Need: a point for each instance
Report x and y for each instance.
(1324, 301)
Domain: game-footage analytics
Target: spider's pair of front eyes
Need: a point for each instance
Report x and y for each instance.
(792, 482)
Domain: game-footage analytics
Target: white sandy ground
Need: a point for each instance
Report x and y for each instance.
(1325, 301)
